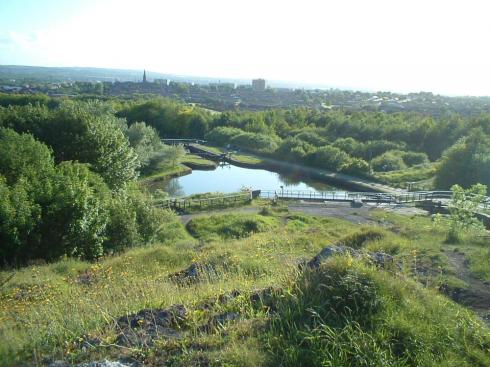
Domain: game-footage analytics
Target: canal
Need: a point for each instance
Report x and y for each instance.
(227, 178)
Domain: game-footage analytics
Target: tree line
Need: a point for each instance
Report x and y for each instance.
(357, 142)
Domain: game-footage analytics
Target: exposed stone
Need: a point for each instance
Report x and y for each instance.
(265, 298)
(142, 328)
(379, 259)
(193, 272)
(330, 251)
(220, 320)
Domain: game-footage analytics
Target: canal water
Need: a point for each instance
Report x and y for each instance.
(227, 178)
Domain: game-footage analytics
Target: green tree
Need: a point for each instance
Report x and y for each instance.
(75, 220)
(174, 153)
(463, 207)
(388, 161)
(144, 140)
(466, 163)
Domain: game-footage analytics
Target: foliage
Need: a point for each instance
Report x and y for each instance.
(329, 157)
(388, 161)
(229, 226)
(222, 135)
(463, 207)
(83, 132)
(169, 118)
(49, 211)
(144, 140)
(466, 163)
(347, 314)
(255, 141)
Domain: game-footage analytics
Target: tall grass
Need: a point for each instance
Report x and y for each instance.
(345, 314)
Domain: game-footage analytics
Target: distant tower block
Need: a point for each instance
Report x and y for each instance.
(144, 76)
(258, 85)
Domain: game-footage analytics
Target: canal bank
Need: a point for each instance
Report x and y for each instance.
(333, 178)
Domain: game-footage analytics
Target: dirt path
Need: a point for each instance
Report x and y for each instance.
(477, 295)
(339, 210)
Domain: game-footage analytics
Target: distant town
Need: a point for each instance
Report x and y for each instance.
(227, 95)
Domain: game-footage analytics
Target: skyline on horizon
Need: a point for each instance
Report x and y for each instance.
(380, 46)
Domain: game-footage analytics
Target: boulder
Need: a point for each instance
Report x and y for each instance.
(378, 258)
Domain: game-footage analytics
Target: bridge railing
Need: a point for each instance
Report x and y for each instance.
(404, 197)
(194, 203)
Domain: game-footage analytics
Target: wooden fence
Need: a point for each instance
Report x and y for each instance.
(184, 204)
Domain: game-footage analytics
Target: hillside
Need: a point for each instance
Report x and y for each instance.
(246, 290)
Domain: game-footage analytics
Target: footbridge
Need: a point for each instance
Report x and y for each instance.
(378, 197)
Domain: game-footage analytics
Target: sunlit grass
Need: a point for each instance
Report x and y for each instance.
(46, 308)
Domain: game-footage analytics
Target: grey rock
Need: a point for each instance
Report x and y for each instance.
(220, 320)
(193, 273)
(378, 258)
(143, 328)
(330, 251)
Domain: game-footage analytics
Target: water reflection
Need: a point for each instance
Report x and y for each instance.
(228, 178)
(174, 188)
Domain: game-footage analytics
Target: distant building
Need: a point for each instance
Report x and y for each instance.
(144, 76)
(161, 81)
(258, 85)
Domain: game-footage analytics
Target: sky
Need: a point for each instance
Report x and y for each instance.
(390, 45)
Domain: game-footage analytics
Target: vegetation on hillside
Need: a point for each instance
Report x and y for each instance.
(357, 143)
(246, 301)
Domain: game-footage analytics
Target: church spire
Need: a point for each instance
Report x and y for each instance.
(144, 76)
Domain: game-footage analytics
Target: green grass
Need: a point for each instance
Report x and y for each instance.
(345, 314)
(479, 260)
(197, 160)
(212, 149)
(422, 175)
(229, 226)
(246, 158)
(350, 314)
(165, 172)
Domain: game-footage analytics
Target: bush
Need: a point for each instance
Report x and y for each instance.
(222, 135)
(388, 161)
(329, 157)
(294, 149)
(348, 314)
(414, 158)
(466, 163)
(256, 142)
(229, 226)
(48, 211)
(312, 138)
(356, 166)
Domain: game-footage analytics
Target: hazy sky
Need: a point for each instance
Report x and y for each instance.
(409, 45)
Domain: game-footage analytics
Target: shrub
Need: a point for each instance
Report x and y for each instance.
(222, 135)
(256, 142)
(413, 158)
(329, 157)
(348, 314)
(388, 161)
(229, 226)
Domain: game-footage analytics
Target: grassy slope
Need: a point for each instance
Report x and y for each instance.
(247, 158)
(45, 309)
(164, 172)
(195, 159)
(421, 175)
